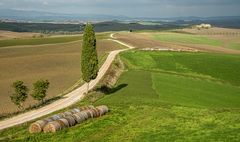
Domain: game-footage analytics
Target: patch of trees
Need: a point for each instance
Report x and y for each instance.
(21, 92)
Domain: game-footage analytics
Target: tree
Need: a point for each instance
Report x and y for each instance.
(89, 59)
(40, 89)
(20, 93)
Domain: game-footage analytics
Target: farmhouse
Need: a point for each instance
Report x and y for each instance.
(204, 26)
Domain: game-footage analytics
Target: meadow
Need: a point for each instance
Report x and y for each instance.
(187, 38)
(58, 62)
(161, 96)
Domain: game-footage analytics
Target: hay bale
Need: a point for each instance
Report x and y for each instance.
(71, 120)
(48, 119)
(84, 114)
(65, 122)
(37, 126)
(86, 107)
(101, 112)
(61, 123)
(79, 118)
(75, 110)
(52, 127)
(89, 113)
(67, 113)
(102, 109)
(96, 112)
(56, 117)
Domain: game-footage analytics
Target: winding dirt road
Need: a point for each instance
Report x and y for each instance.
(68, 99)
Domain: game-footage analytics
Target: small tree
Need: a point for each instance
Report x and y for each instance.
(20, 94)
(89, 59)
(40, 90)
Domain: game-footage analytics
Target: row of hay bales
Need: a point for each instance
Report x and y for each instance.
(67, 119)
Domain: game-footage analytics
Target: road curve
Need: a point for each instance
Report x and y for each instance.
(68, 99)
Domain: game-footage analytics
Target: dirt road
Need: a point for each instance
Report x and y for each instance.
(68, 99)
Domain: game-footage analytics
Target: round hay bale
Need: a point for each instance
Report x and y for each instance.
(48, 119)
(67, 113)
(37, 126)
(61, 115)
(71, 120)
(96, 112)
(79, 118)
(86, 107)
(65, 122)
(61, 123)
(101, 112)
(75, 110)
(84, 113)
(89, 113)
(83, 108)
(56, 117)
(52, 127)
(103, 108)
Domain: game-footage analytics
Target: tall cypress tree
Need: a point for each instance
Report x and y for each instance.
(89, 59)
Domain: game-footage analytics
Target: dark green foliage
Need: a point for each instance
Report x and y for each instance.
(89, 63)
(20, 93)
(40, 89)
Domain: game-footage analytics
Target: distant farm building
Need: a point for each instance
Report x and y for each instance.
(204, 26)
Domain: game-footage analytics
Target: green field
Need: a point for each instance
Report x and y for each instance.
(234, 45)
(163, 96)
(187, 38)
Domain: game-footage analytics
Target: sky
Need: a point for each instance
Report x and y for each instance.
(131, 8)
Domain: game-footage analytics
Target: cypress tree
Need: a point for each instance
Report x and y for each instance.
(89, 59)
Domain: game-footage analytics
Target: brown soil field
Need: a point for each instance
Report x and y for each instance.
(11, 35)
(146, 40)
(59, 63)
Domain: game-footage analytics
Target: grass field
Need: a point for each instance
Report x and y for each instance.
(161, 99)
(187, 38)
(59, 63)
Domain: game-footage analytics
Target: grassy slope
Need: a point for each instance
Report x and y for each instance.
(187, 38)
(157, 105)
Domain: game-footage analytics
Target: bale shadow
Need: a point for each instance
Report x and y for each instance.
(108, 90)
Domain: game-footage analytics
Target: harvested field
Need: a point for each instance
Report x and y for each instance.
(59, 63)
(14, 35)
(180, 41)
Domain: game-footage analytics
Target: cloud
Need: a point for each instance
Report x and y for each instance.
(45, 3)
(138, 8)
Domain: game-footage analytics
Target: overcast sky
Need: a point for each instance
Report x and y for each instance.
(132, 8)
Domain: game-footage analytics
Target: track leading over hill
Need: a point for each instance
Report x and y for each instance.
(68, 99)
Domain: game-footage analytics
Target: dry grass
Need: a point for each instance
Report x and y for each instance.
(59, 63)
(11, 35)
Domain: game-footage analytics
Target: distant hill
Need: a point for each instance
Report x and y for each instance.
(20, 20)
(39, 16)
